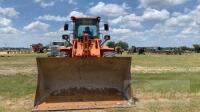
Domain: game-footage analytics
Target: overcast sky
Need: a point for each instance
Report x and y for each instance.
(138, 22)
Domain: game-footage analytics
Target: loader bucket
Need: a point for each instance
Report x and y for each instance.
(83, 83)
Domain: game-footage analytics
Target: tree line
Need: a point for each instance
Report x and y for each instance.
(196, 48)
(120, 44)
(124, 46)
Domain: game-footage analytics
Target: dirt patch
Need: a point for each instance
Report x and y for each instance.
(140, 69)
(25, 103)
(3, 53)
(145, 102)
(165, 95)
(156, 102)
(17, 70)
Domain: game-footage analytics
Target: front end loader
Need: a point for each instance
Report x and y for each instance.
(85, 77)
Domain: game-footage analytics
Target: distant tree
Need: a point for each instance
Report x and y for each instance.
(184, 48)
(119, 50)
(141, 51)
(133, 48)
(160, 48)
(122, 44)
(196, 48)
(111, 44)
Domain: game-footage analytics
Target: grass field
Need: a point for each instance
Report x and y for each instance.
(160, 83)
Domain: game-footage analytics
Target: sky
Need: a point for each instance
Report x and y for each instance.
(149, 23)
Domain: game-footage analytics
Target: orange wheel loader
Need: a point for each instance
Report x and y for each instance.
(86, 77)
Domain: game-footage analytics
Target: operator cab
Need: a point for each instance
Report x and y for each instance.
(86, 25)
(89, 25)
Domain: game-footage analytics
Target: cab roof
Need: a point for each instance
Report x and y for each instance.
(73, 18)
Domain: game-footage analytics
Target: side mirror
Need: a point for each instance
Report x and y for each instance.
(106, 27)
(65, 37)
(107, 37)
(66, 27)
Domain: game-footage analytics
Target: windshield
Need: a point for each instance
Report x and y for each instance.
(86, 26)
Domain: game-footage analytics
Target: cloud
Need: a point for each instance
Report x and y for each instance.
(9, 30)
(76, 13)
(61, 18)
(159, 3)
(179, 26)
(72, 2)
(4, 22)
(153, 14)
(52, 18)
(150, 26)
(180, 20)
(48, 3)
(191, 30)
(55, 35)
(6, 27)
(130, 21)
(51, 34)
(126, 34)
(8, 11)
(178, 30)
(36, 26)
(111, 10)
(120, 31)
(190, 24)
(45, 3)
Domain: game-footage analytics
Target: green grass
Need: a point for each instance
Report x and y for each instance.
(192, 60)
(19, 60)
(19, 85)
(20, 57)
(168, 81)
(15, 86)
(2, 109)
